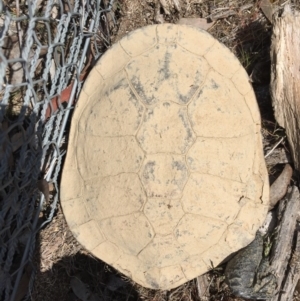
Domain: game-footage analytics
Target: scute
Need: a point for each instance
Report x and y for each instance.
(222, 60)
(89, 234)
(108, 251)
(117, 112)
(187, 41)
(166, 129)
(253, 108)
(124, 188)
(116, 55)
(167, 76)
(141, 40)
(165, 173)
(203, 193)
(215, 254)
(197, 233)
(207, 156)
(130, 232)
(167, 34)
(194, 266)
(238, 237)
(76, 212)
(163, 214)
(172, 275)
(239, 81)
(251, 216)
(74, 189)
(163, 251)
(217, 102)
(104, 156)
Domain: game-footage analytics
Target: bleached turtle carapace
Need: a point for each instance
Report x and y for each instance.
(164, 174)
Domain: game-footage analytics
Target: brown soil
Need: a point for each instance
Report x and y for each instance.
(59, 258)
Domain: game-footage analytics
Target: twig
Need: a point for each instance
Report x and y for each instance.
(271, 151)
(222, 15)
(246, 7)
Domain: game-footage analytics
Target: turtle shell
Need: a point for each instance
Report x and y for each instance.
(165, 175)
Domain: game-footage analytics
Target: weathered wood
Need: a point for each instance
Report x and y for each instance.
(168, 5)
(203, 287)
(285, 76)
(293, 274)
(285, 93)
(282, 250)
(278, 156)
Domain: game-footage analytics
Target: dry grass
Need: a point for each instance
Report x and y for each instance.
(55, 242)
(59, 257)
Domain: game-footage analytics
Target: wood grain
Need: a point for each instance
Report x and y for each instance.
(288, 212)
(285, 76)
